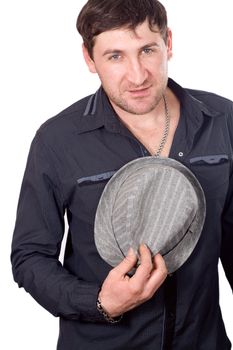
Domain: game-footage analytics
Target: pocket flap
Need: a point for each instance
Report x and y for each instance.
(211, 159)
(96, 178)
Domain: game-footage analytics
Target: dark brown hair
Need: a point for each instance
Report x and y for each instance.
(98, 16)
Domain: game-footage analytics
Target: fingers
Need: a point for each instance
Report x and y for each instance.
(159, 273)
(159, 263)
(120, 293)
(151, 271)
(144, 270)
(150, 274)
(127, 263)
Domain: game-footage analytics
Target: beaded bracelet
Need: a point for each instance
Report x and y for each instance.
(105, 314)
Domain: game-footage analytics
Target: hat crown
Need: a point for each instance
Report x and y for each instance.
(156, 201)
(154, 205)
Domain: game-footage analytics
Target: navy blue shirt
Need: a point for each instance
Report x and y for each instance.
(72, 157)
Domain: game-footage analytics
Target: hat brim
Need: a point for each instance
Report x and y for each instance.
(112, 249)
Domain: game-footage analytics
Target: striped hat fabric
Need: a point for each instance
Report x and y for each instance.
(152, 200)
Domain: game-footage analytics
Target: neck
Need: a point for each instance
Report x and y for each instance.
(143, 121)
(150, 128)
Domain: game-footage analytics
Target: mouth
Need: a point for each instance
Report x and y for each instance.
(141, 92)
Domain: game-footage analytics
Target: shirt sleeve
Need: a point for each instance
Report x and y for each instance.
(227, 235)
(227, 217)
(36, 244)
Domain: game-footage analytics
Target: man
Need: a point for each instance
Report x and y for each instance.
(128, 44)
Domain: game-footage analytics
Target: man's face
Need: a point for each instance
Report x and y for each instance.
(132, 67)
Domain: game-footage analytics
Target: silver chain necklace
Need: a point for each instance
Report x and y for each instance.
(166, 129)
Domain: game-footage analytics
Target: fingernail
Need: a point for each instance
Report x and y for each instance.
(144, 245)
(130, 251)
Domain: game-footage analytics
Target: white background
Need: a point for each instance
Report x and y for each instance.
(42, 72)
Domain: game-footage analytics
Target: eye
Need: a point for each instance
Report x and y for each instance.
(147, 51)
(115, 57)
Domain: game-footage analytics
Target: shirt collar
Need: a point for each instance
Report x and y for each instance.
(188, 101)
(99, 113)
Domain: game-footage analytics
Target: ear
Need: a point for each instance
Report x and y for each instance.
(89, 61)
(169, 43)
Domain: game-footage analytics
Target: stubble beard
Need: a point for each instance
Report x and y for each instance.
(135, 109)
(139, 107)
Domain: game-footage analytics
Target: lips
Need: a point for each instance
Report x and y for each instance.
(142, 92)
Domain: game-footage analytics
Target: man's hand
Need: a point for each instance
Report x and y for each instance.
(121, 293)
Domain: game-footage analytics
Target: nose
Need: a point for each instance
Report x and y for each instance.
(137, 73)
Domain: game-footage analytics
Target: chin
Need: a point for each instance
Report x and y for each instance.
(143, 109)
(140, 111)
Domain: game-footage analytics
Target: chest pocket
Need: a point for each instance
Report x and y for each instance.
(87, 194)
(95, 178)
(212, 171)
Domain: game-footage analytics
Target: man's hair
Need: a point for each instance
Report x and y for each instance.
(99, 16)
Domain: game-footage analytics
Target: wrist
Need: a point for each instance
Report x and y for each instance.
(105, 314)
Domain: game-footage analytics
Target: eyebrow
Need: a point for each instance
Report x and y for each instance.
(112, 51)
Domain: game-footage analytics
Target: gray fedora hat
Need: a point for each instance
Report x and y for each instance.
(151, 200)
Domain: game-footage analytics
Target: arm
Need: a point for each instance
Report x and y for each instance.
(227, 235)
(227, 216)
(38, 234)
(36, 246)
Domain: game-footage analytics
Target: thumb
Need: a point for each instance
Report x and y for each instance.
(127, 263)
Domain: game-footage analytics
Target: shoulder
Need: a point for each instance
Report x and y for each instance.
(219, 108)
(214, 102)
(59, 132)
(66, 121)
(209, 103)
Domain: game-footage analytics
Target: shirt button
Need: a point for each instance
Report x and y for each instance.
(181, 154)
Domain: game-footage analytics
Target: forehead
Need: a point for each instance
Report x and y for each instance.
(125, 37)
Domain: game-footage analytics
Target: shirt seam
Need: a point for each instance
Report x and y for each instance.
(52, 164)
